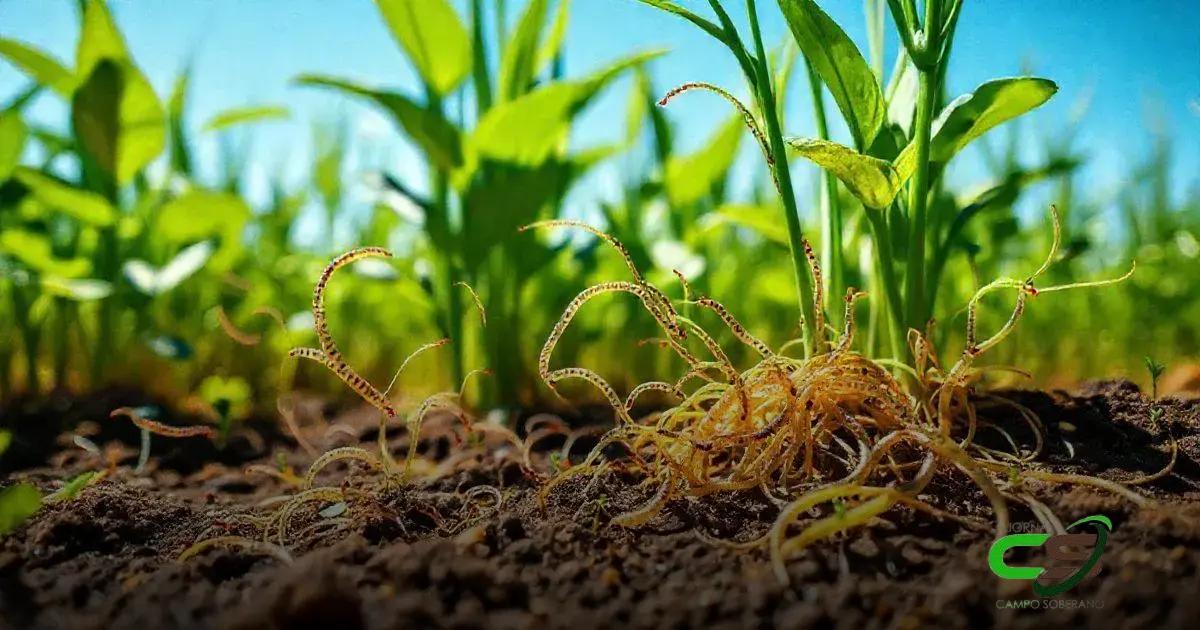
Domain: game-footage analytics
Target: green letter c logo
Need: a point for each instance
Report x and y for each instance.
(996, 556)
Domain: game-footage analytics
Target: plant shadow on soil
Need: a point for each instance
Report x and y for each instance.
(422, 555)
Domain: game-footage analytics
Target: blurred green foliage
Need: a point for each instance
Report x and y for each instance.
(119, 263)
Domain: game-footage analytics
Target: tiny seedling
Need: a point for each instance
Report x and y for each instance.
(73, 487)
(1156, 370)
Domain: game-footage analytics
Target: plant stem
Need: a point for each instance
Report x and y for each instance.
(919, 193)
(439, 222)
(29, 336)
(887, 274)
(453, 276)
(832, 256)
(783, 178)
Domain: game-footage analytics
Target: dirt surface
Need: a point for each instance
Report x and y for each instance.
(433, 555)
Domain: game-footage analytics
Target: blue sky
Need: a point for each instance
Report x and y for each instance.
(1125, 58)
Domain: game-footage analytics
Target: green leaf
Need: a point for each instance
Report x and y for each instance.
(690, 177)
(971, 115)
(18, 503)
(530, 129)
(5, 440)
(761, 219)
(520, 52)
(82, 205)
(872, 180)
(494, 207)
(33, 250)
(72, 488)
(434, 38)
(902, 96)
(181, 154)
(510, 196)
(82, 290)
(708, 27)
(244, 115)
(200, 214)
(841, 67)
(552, 46)
(12, 142)
(434, 135)
(1155, 369)
(40, 66)
(99, 39)
(118, 119)
(152, 281)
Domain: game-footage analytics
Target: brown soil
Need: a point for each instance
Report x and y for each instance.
(422, 556)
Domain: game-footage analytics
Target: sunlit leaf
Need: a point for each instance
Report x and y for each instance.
(552, 45)
(971, 115)
(72, 488)
(705, 25)
(12, 142)
(762, 219)
(5, 440)
(434, 38)
(433, 134)
(902, 97)
(33, 250)
(181, 152)
(83, 290)
(200, 214)
(520, 52)
(83, 205)
(17, 504)
(118, 119)
(40, 66)
(152, 281)
(872, 180)
(246, 115)
(690, 177)
(531, 128)
(840, 65)
(99, 38)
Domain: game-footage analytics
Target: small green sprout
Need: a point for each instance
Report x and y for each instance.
(229, 399)
(1156, 370)
(18, 503)
(72, 488)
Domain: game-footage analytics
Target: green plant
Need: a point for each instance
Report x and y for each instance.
(489, 176)
(885, 156)
(19, 501)
(1156, 370)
